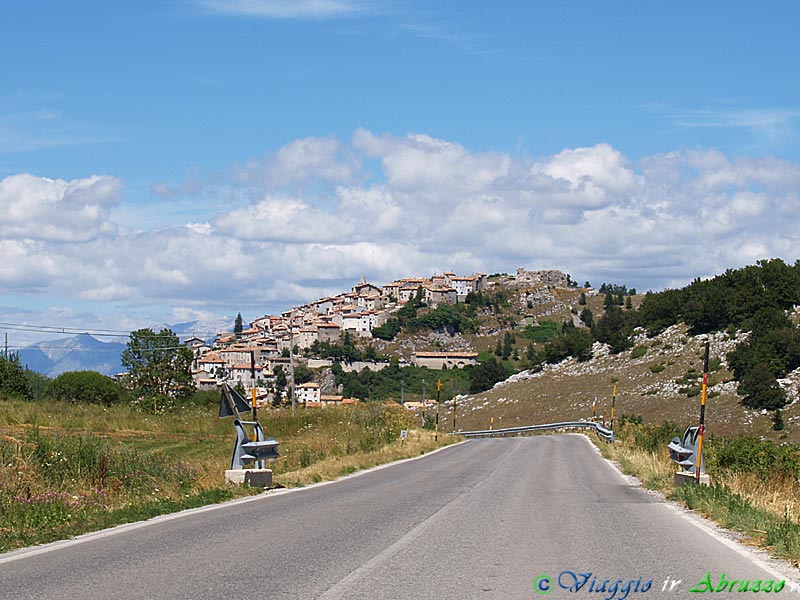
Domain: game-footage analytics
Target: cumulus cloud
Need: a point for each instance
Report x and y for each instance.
(310, 160)
(55, 210)
(434, 205)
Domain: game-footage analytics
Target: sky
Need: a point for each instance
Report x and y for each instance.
(172, 160)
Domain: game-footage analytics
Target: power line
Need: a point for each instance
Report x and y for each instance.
(51, 329)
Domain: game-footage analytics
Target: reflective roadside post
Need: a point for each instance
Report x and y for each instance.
(253, 383)
(613, 402)
(701, 429)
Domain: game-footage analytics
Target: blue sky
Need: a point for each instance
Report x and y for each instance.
(196, 158)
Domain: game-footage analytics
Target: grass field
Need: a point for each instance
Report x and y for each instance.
(68, 469)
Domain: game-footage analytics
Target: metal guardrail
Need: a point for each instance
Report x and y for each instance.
(603, 432)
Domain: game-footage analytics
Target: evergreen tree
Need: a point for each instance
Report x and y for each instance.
(508, 341)
(761, 390)
(238, 325)
(777, 420)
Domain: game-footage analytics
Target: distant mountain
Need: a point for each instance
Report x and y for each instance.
(78, 353)
(86, 353)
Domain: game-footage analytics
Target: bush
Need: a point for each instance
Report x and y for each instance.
(84, 387)
(751, 455)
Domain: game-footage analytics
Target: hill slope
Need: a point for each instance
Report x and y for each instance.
(658, 379)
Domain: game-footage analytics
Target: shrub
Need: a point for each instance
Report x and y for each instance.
(751, 455)
(84, 386)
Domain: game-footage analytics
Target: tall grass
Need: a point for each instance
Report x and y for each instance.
(57, 484)
(67, 469)
(754, 482)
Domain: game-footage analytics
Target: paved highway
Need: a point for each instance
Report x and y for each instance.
(491, 518)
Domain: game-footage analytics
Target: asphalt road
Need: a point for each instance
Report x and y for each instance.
(484, 520)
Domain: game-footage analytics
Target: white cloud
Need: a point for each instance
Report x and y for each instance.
(55, 210)
(311, 159)
(589, 211)
(286, 9)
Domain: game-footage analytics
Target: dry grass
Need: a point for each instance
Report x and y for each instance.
(777, 497)
(645, 386)
(654, 469)
(419, 442)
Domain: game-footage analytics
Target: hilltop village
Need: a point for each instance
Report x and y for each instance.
(272, 347)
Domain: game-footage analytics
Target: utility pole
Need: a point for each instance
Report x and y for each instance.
(454, 414)
(438, 392)
(291, 379)
(402, 391)
(423, 401)
(6, 350)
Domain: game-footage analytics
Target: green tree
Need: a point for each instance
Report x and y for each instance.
(571, 342)
(777, 420)
(14, 380)
(388, 330)
(159, 367)
(760, 389)
(614, 329)
(484, 375)
(84, 387)
(280, 379)
(582, 299)
(508, 345)
(587, 317)
(238, 325)
(609, 301)
(302, 374)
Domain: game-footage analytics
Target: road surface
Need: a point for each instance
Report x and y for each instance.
(490, 518)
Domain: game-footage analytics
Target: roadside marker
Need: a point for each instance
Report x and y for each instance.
(701, 430)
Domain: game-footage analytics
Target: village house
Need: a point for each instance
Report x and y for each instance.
(211, 363)
(304, 337)
(439, 360)
(435, 296)
(328, 332)
(240, 355)
(465, 285)
(330, 400)
(307, 392)
(243, 374)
